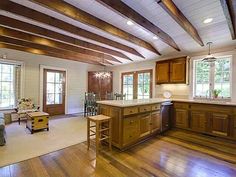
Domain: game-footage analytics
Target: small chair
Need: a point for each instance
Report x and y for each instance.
(102, 130)
(120, 96)
(90, 107)
(25, 105)
(109, 96)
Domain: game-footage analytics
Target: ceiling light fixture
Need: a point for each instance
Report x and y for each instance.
(129, 23)
(209, 58)
(208, 20)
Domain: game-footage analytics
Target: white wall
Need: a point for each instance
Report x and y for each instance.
(177, 90)
(76, 76)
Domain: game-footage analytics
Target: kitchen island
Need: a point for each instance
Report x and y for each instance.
(132, 120)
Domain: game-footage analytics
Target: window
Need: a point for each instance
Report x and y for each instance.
(128, 86)
(212, 77)
(137, 85)
(9, 85)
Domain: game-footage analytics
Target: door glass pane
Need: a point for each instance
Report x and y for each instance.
(50, 98)
(54, 88)
(128, 86)
(144, 85)
(58, 88)
(58, 98)
(50, 88)
(50, 77)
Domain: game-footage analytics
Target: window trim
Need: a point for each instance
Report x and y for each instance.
(22, 65)
(135, 81)
(211, 78)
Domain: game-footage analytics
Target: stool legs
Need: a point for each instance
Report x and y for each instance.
(97, 138)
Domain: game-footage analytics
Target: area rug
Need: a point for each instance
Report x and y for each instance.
(21, 145)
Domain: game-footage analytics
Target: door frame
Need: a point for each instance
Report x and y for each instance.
(42, 67)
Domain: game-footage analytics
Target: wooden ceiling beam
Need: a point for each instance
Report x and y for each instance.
(178, 16)
(16, 24)
(77, 14)
(127, 12)
(48, 42)
(229, 8)
(31, 14)
(74, 55)
(41, 52)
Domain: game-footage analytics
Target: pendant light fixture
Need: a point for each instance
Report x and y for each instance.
(103, 74)
(209, 57)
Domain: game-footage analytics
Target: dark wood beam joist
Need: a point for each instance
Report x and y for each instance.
(13, 23)
(127, 12)
(74, 55)
(31, 14)
(48, 42)
(75, 13)
(178, 16)
(229, 8)
(41, 52)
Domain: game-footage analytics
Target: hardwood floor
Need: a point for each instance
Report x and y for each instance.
(160, 156)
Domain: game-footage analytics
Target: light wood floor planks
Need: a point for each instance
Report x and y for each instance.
(178, 154)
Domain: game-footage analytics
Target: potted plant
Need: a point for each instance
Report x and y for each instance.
(216, 93)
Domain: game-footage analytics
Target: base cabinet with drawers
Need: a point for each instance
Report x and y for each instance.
(216, 120)
(132, 124)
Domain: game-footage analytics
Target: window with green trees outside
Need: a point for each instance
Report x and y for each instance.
(212, 80)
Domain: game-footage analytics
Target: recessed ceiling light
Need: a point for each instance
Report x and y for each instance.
(129, 23)
(155, 37)
(208, 20)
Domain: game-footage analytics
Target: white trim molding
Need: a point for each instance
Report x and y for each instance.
(42, 67)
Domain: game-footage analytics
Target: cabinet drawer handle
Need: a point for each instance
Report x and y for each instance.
(131, 122)
(144, 109)
(130, 111)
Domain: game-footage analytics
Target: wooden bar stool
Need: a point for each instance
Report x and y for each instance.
(102, 130)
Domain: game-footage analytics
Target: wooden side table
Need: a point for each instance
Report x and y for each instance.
(37, 121)
(102, 130)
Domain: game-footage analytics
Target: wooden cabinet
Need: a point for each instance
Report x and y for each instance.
(220, 124)
(99, 86)
(181, 118)
(172, 71)
(155, 121)
(162, 72)
(145, 122)
(198, 121)
(131, 130)
(178, 71)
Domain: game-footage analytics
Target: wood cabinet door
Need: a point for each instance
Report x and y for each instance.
(181, 118)
(178, 70)
(99, 86)
(131, 130)
(198, 121)
(162, 72)
(155, 121)
(220, 124)
(145, 126)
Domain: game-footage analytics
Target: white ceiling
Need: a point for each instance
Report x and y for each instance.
(195, 10)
